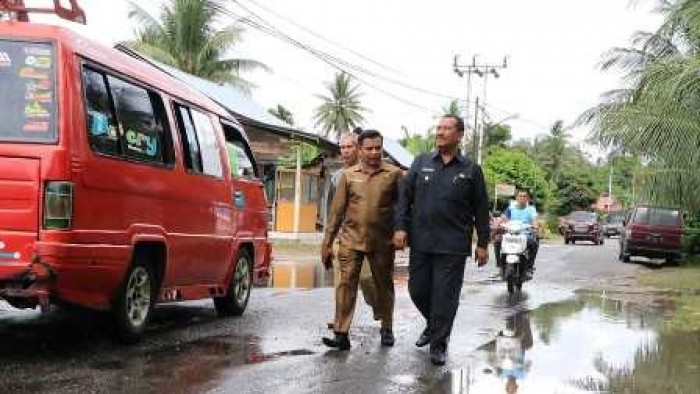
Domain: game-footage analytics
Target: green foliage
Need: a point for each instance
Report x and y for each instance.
(308, 154)
(185, 36)
(655, 115)
(517, 168)
(417, 144)
(340, 111)
(575, 189)
(497, 136)
(283, 114)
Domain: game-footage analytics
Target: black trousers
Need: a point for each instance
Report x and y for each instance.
(434, 283)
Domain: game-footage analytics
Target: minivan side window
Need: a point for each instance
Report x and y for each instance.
(102, 126)
(125, 120)
(190, 145)
(202, 149)
(241, 164)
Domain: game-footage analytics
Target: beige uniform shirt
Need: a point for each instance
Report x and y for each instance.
(363, 205)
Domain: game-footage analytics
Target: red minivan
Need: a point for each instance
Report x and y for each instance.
(120, 186)
(652, 231)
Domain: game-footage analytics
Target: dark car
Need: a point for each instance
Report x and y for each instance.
(652, 231)
(613, 224)
(582, 225)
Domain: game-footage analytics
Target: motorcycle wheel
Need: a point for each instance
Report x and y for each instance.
(510, 277)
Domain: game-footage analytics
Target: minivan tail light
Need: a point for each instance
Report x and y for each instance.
(58, 205)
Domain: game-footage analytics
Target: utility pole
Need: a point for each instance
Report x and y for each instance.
(481, 70)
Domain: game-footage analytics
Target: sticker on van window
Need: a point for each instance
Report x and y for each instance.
(35, 110)
(5, 60)
(38, 61)
(142, 143)
(33, 73)
(35, 85)
(37, 50)
(40, 96)
(36, 127)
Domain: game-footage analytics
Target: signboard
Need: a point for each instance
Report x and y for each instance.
(504, 189)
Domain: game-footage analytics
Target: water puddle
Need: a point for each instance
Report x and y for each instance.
(288, 274)
(588, 344)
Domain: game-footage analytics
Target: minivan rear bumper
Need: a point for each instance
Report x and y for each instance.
(85, 275)
(646, 251)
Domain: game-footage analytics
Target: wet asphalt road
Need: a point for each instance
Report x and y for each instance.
(275, 346)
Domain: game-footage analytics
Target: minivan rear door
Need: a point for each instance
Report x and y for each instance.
(27, 116)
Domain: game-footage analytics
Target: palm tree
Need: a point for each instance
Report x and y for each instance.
(283, 114)
(340, 111)
(555, 148)
(655, 116)
(184, 36)
(452, 108)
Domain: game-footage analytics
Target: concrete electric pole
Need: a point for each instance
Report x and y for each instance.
(481, 70)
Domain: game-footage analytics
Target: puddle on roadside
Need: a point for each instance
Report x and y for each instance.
(587, 344)
(187, 366)
(309, 275)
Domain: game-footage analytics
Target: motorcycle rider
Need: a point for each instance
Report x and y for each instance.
(522, 211)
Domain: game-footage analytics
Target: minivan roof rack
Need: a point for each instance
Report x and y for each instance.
(72, 13)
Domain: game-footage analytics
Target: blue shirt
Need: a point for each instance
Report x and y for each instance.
(527, 214)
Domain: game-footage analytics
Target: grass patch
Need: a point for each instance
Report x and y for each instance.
(687, 314)
(684, 283)
(683, 279)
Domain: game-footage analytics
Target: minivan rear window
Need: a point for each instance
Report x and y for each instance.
(656, 216)
(27, 92)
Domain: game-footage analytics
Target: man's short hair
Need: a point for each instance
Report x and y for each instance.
(458, 120)
(523, 190)
(369, 134)
(348, 136)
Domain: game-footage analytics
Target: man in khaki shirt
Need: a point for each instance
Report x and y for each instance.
(350, 155)
(363, 206)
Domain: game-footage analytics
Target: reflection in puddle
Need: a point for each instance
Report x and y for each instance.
(301, 275)
(307, 275)
(585, 345)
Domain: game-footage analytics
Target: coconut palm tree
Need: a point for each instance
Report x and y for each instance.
(185, 36)
(283, 114)
(655, 116)
(340, 111)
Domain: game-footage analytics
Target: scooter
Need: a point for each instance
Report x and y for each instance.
(514, 254)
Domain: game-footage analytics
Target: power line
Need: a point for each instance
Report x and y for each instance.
(326, 55)
(319, 36)
(323, 56)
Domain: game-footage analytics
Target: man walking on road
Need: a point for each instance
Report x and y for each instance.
(363, 210)
(350, 156)
(443, 197)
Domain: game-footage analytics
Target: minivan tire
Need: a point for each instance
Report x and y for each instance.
(237, 296)
(134, 302)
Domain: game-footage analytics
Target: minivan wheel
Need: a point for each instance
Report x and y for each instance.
(134, 303)
(236, 299)
(624, 255)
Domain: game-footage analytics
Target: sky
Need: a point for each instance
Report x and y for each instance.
(553, 49)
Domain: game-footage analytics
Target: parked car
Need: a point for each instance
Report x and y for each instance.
(652, 231)
(612, 224)
(582, 225)
(116, 190)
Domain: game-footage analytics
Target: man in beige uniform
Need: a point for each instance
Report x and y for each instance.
(350, 156)
(364, 207)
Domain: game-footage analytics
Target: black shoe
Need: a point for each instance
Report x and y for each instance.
(424, 338)
(387, 337)
(437, 356)
(340, 341)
